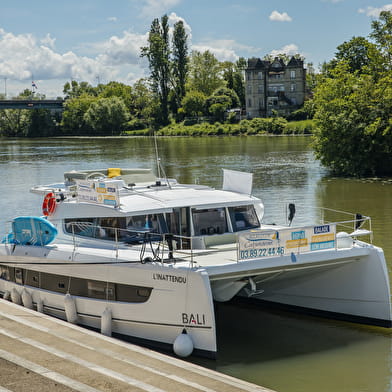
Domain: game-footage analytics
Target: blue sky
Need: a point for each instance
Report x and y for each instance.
(99, 40)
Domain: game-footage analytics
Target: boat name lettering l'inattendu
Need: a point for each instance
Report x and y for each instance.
(169, 278)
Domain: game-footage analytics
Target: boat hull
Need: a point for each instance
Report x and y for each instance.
(178, 300)
(353, 289)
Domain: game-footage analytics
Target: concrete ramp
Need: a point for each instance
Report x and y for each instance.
(39, 352)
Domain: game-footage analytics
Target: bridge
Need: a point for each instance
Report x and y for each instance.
(54, 104)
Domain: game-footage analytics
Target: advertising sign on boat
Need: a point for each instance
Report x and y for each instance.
(270, 243)
(100, 192)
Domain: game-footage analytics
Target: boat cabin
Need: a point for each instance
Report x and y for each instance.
(109, 209)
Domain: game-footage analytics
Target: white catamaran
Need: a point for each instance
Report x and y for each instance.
(145, 258)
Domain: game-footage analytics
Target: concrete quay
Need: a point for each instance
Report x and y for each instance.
(41, 353)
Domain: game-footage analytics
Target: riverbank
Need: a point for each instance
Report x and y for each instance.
(256, 126)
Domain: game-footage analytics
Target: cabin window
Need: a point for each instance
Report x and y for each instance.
(116, 228)
(5, 273)
(243, 218)
(178, 223)
(19, 275)
(209, 221)
(81, 226)
(100, 290)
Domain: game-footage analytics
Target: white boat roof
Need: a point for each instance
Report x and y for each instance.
(161, 199)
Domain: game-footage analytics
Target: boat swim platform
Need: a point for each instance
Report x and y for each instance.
(41, 353)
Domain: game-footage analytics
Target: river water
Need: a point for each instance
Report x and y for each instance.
(280, 350)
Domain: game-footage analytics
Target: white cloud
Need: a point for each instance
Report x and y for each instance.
(174, 18)
(280, 17)
(224, 50)
(112, 19)
(23, 57)
(290, 50)
(48, 41)
(157, 8)
(375, 12)
(121, 50)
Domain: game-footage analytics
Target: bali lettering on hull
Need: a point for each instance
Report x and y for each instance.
(193, 319)
(169, 278)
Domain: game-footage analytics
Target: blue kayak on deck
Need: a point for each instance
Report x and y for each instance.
(31, 230)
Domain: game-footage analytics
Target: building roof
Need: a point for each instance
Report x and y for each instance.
(295, 62)
(255, 63)
(276, 65)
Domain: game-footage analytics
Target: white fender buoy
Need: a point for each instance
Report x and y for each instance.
(70, 309)
(344, 240)
(7, 295)
(183, 345)
(106, 322)
(15, 297)
(40, 305)
(26, 299)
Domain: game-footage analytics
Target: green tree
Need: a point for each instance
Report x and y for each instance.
(180, 61)
(358, 53)
(107, 116)
(233, 74)
(14, 122)
(382, 35)
(41, 123)
(354, 135)
(353, 104)
(75, 89)
(193, 103)
(117, 89)
(144, 105)
(233, 102)
(158, 53)
(73, 122)
(205, 73)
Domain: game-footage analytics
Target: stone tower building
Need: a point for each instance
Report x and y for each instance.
(274, 86)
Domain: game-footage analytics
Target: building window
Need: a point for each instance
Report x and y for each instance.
(260, 88)
(292, 74)
(274, 88)
(249, 89)
(248, 75)
(260, 75)
(292, 88)
(249, 102)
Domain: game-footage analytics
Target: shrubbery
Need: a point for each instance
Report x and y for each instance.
(256, 126)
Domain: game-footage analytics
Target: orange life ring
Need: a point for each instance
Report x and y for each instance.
(49, 204)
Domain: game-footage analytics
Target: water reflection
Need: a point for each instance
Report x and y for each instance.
(282, 351)
(369, 197)
(294, 353)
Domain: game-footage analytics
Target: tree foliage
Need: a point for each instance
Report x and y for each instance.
(73, 122)
(205, 73)
(193, 103)
(107, 116)
(354, 107)
(180, 61)
(233, 74)
(157, 53)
